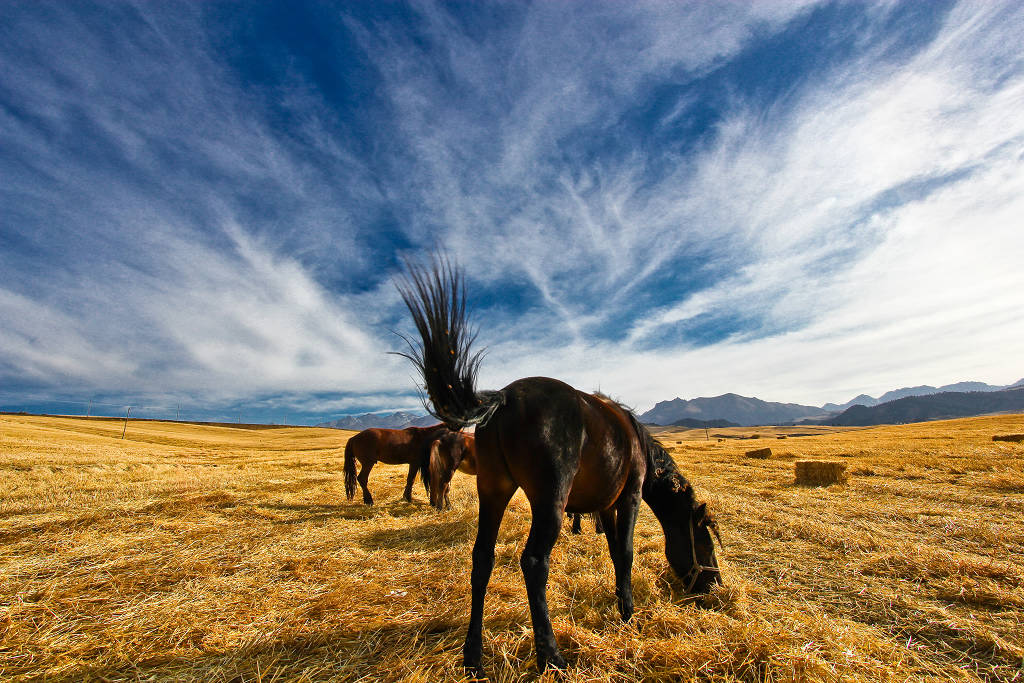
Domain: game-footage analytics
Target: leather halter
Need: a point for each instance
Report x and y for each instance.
(696, 569)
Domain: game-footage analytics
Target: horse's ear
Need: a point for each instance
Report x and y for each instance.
(713, 526)
(700, 512)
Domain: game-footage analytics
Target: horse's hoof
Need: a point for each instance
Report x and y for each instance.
(475, 672)
(555, 662)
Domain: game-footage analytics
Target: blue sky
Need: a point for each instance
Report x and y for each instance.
(206, 203)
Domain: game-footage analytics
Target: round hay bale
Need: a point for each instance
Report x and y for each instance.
(761, 453)
(1016, 438)
(820, 472)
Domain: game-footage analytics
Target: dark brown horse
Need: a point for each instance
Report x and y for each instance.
(456, 451)
(392, 446)
(568, 450)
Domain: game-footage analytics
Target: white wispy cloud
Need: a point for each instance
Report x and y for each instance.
(159, 280)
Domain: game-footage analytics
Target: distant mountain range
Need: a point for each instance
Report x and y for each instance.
(750, 412)
(397, 420)
(740, 410)
(691, 423)
(925, 390)
(935, 406)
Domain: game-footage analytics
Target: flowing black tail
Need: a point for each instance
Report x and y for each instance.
(436, 298)
(350, 470)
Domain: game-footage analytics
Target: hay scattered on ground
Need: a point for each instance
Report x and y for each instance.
(211, 553)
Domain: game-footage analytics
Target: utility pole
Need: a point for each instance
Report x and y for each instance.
(177, 413)
(126, 421)
(88, 413)
(706, 437)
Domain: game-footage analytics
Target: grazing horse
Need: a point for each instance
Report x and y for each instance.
(457, 451)
(568, 450)
(391, 446)
(452, 451)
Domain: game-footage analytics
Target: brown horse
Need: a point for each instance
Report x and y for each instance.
(456, 451)
(392, 446)
(568, 450)
(452, 451)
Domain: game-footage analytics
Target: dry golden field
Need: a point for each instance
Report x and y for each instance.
(220, 553)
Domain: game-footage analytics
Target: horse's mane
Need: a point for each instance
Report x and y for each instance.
(663, 475)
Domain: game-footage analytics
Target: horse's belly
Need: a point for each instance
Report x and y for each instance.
(594, 489)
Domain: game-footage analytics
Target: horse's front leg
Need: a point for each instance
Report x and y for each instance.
(619, 532)
(535, 561)
(413, 469)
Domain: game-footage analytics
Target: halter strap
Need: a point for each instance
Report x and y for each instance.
(696, 569)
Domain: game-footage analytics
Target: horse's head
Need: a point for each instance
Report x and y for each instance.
(446, 453)
(690, 548)
(688, 528)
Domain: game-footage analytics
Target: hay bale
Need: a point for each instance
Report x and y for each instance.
(761, 453)
(820, 472)
(1016, 438)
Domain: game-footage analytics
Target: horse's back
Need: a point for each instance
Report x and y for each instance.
(389, 446)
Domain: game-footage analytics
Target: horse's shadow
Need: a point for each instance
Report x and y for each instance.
(315, 512)
(421, 537)
(351, 652)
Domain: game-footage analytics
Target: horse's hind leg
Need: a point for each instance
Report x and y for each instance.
(364, 476)
(493, 501)
(577, 525)
(413, 469)
(536, 558)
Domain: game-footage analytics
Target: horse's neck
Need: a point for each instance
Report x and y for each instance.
(666, 491)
